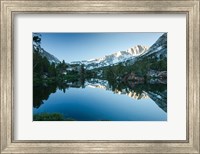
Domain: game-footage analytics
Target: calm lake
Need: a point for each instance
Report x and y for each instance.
(99, 100)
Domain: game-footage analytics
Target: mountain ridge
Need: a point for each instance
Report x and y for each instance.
(114, 58)
(159, 48)
(51, 58)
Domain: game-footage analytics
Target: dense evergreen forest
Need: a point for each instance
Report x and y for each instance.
(45, 72)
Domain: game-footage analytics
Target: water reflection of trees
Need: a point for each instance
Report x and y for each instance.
(157, 92)
(41, 93)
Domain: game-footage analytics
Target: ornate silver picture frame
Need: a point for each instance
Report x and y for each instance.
(9, 8)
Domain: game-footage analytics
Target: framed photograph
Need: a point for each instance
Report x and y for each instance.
(100, 76)
(113, 87)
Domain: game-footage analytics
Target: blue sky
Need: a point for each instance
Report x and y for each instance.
(84, 46)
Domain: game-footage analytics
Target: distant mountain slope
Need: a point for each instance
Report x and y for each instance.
(114, 58)
(36, 47)
(158, 49)
(157, 52)
(51, 58)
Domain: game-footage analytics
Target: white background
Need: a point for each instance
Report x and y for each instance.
(172, 129)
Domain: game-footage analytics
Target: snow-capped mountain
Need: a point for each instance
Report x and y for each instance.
(120, 56)
(158, 49)
(157, 52)
(51, 58)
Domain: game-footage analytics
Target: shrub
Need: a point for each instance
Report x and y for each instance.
(48, 117)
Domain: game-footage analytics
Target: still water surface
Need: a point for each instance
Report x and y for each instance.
(98, 100)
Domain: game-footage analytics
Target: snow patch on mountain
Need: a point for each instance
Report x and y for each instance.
(115, 58)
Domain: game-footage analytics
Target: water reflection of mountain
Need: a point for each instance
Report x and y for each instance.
(156, 92)
(104, 84)
(160, 98)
